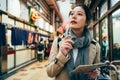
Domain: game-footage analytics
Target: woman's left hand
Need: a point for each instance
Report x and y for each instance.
(93, 74)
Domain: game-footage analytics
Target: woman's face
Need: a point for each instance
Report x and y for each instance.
(77, 18)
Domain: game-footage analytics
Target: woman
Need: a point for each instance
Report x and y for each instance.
(74, 49)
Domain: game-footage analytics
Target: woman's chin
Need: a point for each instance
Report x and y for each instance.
(76, 28)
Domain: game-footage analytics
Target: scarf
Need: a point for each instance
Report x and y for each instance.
(82, 43)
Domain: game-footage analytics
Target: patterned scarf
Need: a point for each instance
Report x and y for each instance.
(82, 43)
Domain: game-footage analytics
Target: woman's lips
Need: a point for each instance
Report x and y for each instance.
(73, 22)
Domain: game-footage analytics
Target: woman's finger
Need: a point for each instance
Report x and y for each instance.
(67, 45)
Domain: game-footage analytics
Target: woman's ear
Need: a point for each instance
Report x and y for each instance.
(86, 23)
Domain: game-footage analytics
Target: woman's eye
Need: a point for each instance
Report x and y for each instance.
(71, 13)
(79, 14)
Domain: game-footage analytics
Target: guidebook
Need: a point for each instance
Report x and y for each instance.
(85, 68)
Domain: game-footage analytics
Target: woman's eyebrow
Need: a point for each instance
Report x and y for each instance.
(79, 11)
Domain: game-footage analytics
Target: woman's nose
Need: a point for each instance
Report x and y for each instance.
(74, 16)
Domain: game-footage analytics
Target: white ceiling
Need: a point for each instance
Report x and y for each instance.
(65, 8)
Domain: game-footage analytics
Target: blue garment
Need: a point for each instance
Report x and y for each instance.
(2, 35)
(25, 37)
(16, 37)
(104, 49)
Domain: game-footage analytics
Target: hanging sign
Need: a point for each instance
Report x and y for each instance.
(36, 38)
(30, 37)
(34, 15)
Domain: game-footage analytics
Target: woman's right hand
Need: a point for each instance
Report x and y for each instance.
(66, 45)
(93, 74)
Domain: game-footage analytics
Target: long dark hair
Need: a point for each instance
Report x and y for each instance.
(87, 12)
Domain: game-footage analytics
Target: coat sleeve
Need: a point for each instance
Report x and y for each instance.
(56, 61)
(97, 58)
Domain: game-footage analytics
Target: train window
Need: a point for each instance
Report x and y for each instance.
(103, 8)
(97, 32)
(113, 2)
(104, 45)
(3, 5)
(116, 35)
(97, 12)
(0, 17)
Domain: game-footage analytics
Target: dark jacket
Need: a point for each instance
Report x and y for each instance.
(116, 54)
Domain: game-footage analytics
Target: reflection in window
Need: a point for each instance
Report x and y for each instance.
(104, 46)
(116, 26)
(97, 12)
(103, 8)
(116, 35)
(116, 39)
(97, 32)
(113, 2)
(104, 24)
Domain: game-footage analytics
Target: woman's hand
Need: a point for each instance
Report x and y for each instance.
(93, 74)
(66, 45)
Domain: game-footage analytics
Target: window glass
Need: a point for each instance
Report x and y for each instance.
(19, 24)
(97, 32)
(103, 8)
(116, 35)
(95, 16)
(10, 21)
(105, 47)
(97, 12)
(24, 12)
(47, 26)
(33, 29)
(4, 18)
(3, 5)
(113, 2)
(37, 7)
(51, 28)
(14, 7)
(0, 17)
(40, 23)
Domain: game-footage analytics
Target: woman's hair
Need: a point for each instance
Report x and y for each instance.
(115, 45)
(87, 12)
